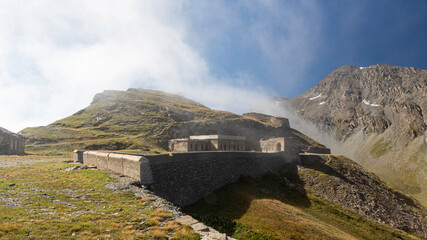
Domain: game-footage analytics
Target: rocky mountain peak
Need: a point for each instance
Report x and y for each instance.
(378, 113)
(372, 98)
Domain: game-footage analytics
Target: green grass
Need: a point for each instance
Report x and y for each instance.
(402, 167)
(380, 148)
(51, 203)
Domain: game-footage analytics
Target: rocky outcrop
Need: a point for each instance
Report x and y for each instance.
(346, 183)
(372, 99)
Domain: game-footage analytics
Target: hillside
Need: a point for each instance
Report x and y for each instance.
(378, 114)
(327, 197)
(144, 120)
(324, 199)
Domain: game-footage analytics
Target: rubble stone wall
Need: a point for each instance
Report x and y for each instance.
(184, 178)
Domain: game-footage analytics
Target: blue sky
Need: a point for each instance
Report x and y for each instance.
(56, 55)
(358, 33)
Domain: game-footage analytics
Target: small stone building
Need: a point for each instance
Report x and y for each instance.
(208, 143)
(289, 146)
(272, 144)
(11, 143)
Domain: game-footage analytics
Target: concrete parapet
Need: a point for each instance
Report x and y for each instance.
(115, 163)
(78, 156)
(101, 160)
(132, 166)
(89, 158)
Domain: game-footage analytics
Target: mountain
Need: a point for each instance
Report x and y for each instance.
(378, 114)
(144, 120)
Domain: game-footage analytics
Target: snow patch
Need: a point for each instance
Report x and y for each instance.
(361, 67)
(370, 104)
(318, 96)
(322, 103)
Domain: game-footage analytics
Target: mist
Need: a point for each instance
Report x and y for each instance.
(283, 108)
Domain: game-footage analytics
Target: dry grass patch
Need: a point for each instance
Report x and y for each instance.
(172, 226)
(7, 227)
(157, 233)
(161, 213)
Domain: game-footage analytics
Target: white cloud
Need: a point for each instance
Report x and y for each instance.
(56, 55)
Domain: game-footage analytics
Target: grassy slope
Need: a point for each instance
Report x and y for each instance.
(136, 120)
(120, 120)
(267, 208)
(48, 203)
(408, 173)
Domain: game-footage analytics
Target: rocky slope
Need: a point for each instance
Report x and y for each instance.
(378, 113)
(342, 181)
(144, 121)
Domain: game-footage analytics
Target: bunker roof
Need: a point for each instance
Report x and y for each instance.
(5, 131)
(213, 137)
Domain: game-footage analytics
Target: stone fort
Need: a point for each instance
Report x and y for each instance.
(197, 165)
(11, 143)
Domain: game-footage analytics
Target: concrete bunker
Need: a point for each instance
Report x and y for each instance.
(11, 143)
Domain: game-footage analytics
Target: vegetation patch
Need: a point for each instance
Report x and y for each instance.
(380, 148)
(44, 201)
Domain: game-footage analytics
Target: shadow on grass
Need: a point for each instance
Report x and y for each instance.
(234, 200)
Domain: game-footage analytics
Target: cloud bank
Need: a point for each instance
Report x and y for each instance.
(56, 55)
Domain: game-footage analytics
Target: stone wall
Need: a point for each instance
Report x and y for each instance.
(184, 178)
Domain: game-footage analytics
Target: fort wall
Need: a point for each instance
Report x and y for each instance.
(184, 178)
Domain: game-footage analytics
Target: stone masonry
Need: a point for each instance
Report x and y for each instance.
(184, 178)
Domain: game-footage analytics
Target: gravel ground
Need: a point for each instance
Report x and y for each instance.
(10, 161)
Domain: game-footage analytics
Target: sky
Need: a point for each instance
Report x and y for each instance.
(56, 55)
